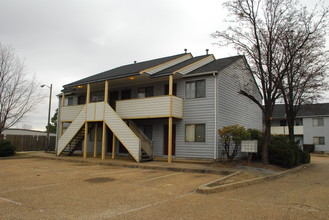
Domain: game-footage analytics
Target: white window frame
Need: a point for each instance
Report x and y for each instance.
(191, 132)
(191, 89)
(318, 141)
(317, 122)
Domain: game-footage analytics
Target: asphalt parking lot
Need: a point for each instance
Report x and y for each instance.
(47, 189)
(39, 188)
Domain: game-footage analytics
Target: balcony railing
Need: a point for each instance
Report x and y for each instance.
(283, 130)
(151, 107)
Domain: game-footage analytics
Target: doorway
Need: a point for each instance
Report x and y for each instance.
(165, 132)
(114, 96)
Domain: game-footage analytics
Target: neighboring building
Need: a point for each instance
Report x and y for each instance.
(311, 125)
(18, 131)
(162, 108)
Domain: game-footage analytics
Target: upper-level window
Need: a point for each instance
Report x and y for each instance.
(318, 122)
(70, 101)
(195, 89)
(97, 97)
(145, 92)
(125, 94)
(283, 123)
(318, 140)
(195, 133)
(81, 100)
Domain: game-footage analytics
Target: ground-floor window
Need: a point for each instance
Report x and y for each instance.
(195, 133)
(318, 140)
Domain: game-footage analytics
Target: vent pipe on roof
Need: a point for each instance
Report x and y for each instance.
(207, 50)
(185, 50)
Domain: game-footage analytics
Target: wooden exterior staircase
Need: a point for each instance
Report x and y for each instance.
(132, 138)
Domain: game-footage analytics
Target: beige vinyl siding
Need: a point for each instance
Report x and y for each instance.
(151, 107)
(196, 65)
(177, 107)
(68, 113)
(169, 64)
(95, 111)
(72, 130)
(122, 132)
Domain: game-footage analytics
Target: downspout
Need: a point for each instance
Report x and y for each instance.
(215, 116)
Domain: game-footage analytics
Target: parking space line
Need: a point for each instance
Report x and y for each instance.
(159, 177)
(149, 205)
(11, 201)
(109, 172)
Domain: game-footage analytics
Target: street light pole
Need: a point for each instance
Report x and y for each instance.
(49, 110)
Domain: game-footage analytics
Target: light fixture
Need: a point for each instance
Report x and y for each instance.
(79, 87)
(131, 77)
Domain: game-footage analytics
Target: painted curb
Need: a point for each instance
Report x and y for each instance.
(207, 189)
(140, 166)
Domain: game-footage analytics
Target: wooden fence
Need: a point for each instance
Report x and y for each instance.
(29, 142)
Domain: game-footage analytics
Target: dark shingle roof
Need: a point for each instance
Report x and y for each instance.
(216, 65)
(124, 71)
(134, 69)
(308, 110)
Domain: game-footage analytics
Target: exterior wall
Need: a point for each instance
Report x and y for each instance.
(234, 108)
(196, 111)
(317, 131)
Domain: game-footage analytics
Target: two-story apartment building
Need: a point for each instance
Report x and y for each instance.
(170, 107)
(311, 125)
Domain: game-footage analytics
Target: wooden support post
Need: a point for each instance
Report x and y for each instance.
(95, 140)
(113, 146)
(85, 141)
(61, 123)
(88, 94)
(103, 140)
(170, 120)
(106, 95)
(106, 91)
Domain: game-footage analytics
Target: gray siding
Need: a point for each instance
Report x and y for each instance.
(234, 108)
(311, 131)
(196, 111)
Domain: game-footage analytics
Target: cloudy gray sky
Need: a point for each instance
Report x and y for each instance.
(66, 40)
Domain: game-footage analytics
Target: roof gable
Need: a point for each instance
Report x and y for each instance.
(128, 70)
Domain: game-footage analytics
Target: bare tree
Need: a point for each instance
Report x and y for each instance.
(305, 77)
(18, 94)
(256, 29)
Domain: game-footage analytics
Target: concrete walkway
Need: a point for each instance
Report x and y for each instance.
(200, 167)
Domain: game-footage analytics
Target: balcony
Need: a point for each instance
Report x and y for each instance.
(283, 130)
(151, 107)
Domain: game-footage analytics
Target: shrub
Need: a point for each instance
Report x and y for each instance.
(283, 152)
(233, 135)
(305, 157)
(6, 149)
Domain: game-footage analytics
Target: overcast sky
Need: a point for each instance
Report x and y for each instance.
(66, 40)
